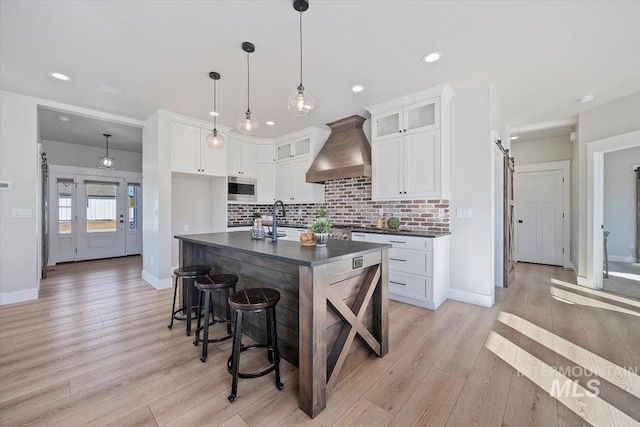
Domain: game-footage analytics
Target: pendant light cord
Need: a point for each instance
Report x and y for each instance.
(107, 147)
(248, 68)
(300, 46)
(215, 108)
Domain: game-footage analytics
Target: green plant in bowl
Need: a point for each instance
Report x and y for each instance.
(393, 222)
(321, 225)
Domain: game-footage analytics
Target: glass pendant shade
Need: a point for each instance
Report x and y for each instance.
(300, 103)
(248, 123)
(106, 162)
(215, 140)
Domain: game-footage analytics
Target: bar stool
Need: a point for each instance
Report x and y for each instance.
(187, 274)
(246, 301)
(207, 285)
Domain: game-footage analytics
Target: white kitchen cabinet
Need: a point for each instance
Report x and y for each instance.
(410, 146)
(243, 158)
(266, 183)
(293, 149)
(191, 154)
(417, 117)
(266, 153)
(294, 155)
(418, 267)
(291, 184)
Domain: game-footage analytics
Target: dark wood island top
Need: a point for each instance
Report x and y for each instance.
(328, 296)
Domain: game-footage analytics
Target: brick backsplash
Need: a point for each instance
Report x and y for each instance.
(348, 202)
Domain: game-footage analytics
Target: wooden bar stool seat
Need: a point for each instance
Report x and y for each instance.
(187, 274)
(207, 285)
(251, 301)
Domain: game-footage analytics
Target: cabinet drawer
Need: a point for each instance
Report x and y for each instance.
(405, 241)
(411, 261)
(410, 286)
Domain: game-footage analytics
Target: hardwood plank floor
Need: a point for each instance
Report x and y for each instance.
(95, 349)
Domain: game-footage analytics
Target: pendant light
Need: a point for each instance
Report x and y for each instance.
(214, 139)
(299, 103)
(248, 123)
(107, 162)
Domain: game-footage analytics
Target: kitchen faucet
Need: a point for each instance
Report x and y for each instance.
(274, 229)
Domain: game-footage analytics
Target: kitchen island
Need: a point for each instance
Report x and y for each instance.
(328, 296)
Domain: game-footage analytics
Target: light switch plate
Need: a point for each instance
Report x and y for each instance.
(463, 212)
(22, 213)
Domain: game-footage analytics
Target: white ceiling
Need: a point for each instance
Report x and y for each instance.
(88, 131)
(539, 56)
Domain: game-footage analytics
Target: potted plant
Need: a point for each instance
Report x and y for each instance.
(321, 227)
(393, 222)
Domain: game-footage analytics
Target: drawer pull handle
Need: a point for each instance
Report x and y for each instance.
(398, 259)
(397, 241)
(397, 283)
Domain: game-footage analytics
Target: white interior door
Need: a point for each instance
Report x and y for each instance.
(540, 217)
(134, 219)
(100, 231)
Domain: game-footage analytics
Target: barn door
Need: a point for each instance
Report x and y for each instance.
(509, 262)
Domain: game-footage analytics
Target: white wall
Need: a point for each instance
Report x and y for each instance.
(618, 117)
(471, 255)
(194, 215)
(542, 151)
(19, 165)
(620, 203)
(62, 153)
(156, 203)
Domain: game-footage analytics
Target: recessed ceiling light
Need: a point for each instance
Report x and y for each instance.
(63, 118)
(432, 56)
(59, 76)
(585, 99)
(357, 88)
(269, 123)
(514, 137)
(111, 89)
(214, 113)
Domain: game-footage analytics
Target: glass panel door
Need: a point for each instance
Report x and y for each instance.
(101, 215)
(134, 229)
(422, 116)
(63, 232)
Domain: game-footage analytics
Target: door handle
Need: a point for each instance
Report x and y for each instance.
(121, 221)
(520, 221)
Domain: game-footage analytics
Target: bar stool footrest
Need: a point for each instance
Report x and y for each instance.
(253, 374)
(213, 340)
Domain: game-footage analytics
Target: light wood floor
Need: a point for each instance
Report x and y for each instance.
(95, 348)
(624, 279)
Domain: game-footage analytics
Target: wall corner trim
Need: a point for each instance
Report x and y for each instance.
(18, 296)
(471, 298)
(155, 282)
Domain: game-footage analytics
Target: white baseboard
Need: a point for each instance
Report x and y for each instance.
(18, 296)
(625, 259)
(155, 282)
(471, 298)
(582, 281)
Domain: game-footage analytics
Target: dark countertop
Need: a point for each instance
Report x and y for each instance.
(285, 250)
(279, 225)
(400, 232)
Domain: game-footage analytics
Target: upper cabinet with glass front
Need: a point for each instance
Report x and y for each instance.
(410, 146)
(416, 117)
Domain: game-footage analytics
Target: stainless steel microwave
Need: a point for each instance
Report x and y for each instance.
(241, 189)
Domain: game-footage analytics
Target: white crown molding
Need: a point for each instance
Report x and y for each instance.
(569, 121)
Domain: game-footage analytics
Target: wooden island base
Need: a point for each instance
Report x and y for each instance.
(329, 296)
